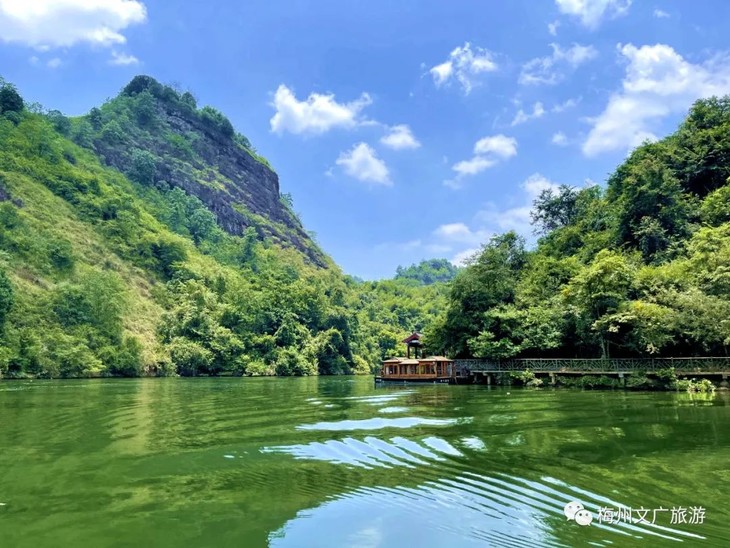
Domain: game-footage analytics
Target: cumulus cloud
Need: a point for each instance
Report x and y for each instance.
(553, 28)
(464, 65)
(474, 165)
(362, 163)
(592, 12)
(316, 114)
(400, 137)
(521, 117)
(123, 59)
(499, 145)
(464, 239)
(457, 232)
(47, 24)
(559, 139)
(495, 219)
(658, 82)
(492, 219)
(488, 152)
(660, 14)
(552, 69)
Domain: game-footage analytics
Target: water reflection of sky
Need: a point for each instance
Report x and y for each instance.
(371, 452)
(477, 509)
(380, 423)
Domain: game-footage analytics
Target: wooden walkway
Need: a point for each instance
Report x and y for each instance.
(621, 366)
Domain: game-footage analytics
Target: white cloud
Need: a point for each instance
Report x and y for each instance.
(517, 218)
(122, 59)
(400, 137)
(521, 117)
(474, 165)
(463, 257)
(570, 103)
(460, 235)
(592, 12)
(658, 82)
(317, 114)
(661, 14)
(499, 145)
(454, 232)
(363, 164)
(464, 64)
(559, 139)
(551, 69)
(488, 151)
(553, 28)
(54, 63)
(62, 23)
(492, 219)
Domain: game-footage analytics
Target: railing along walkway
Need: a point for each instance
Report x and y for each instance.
(716, 365)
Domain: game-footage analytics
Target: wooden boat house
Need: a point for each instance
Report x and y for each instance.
(432, 369)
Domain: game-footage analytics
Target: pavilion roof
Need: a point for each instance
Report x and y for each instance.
(413, 337)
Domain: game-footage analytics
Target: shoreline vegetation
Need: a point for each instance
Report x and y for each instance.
(148, 237)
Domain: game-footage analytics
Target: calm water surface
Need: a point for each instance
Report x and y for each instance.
(334, 462)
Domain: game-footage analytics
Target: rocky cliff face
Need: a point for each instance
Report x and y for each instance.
(198, 151)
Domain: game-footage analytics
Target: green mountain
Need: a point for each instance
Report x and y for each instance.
(638, 268)
(149, 238)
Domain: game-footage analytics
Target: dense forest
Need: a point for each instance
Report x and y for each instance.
(148, 237)
(638, 268)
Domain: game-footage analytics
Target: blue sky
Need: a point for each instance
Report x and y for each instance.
(404, 130)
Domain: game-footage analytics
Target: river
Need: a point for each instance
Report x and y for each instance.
(335, 462)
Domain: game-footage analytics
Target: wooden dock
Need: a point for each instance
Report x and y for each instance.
(483, 370)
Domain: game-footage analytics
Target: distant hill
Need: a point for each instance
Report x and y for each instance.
(428, 272)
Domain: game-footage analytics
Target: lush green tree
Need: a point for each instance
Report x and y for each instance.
(60, 122)
(488, 282)
(715, 208)
(143, 167)
(598, 291)
(652, 209)
(554, 208)
(189, 358)
(10, 99)
(700, 150)
(6, 297)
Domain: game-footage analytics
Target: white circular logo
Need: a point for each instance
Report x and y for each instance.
(575, 511)
(571, 508)
(583, 517)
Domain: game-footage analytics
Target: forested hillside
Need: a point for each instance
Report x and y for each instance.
(638, 268)
(149, 238)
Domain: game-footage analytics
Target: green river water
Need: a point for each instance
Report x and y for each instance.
(336, 462)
